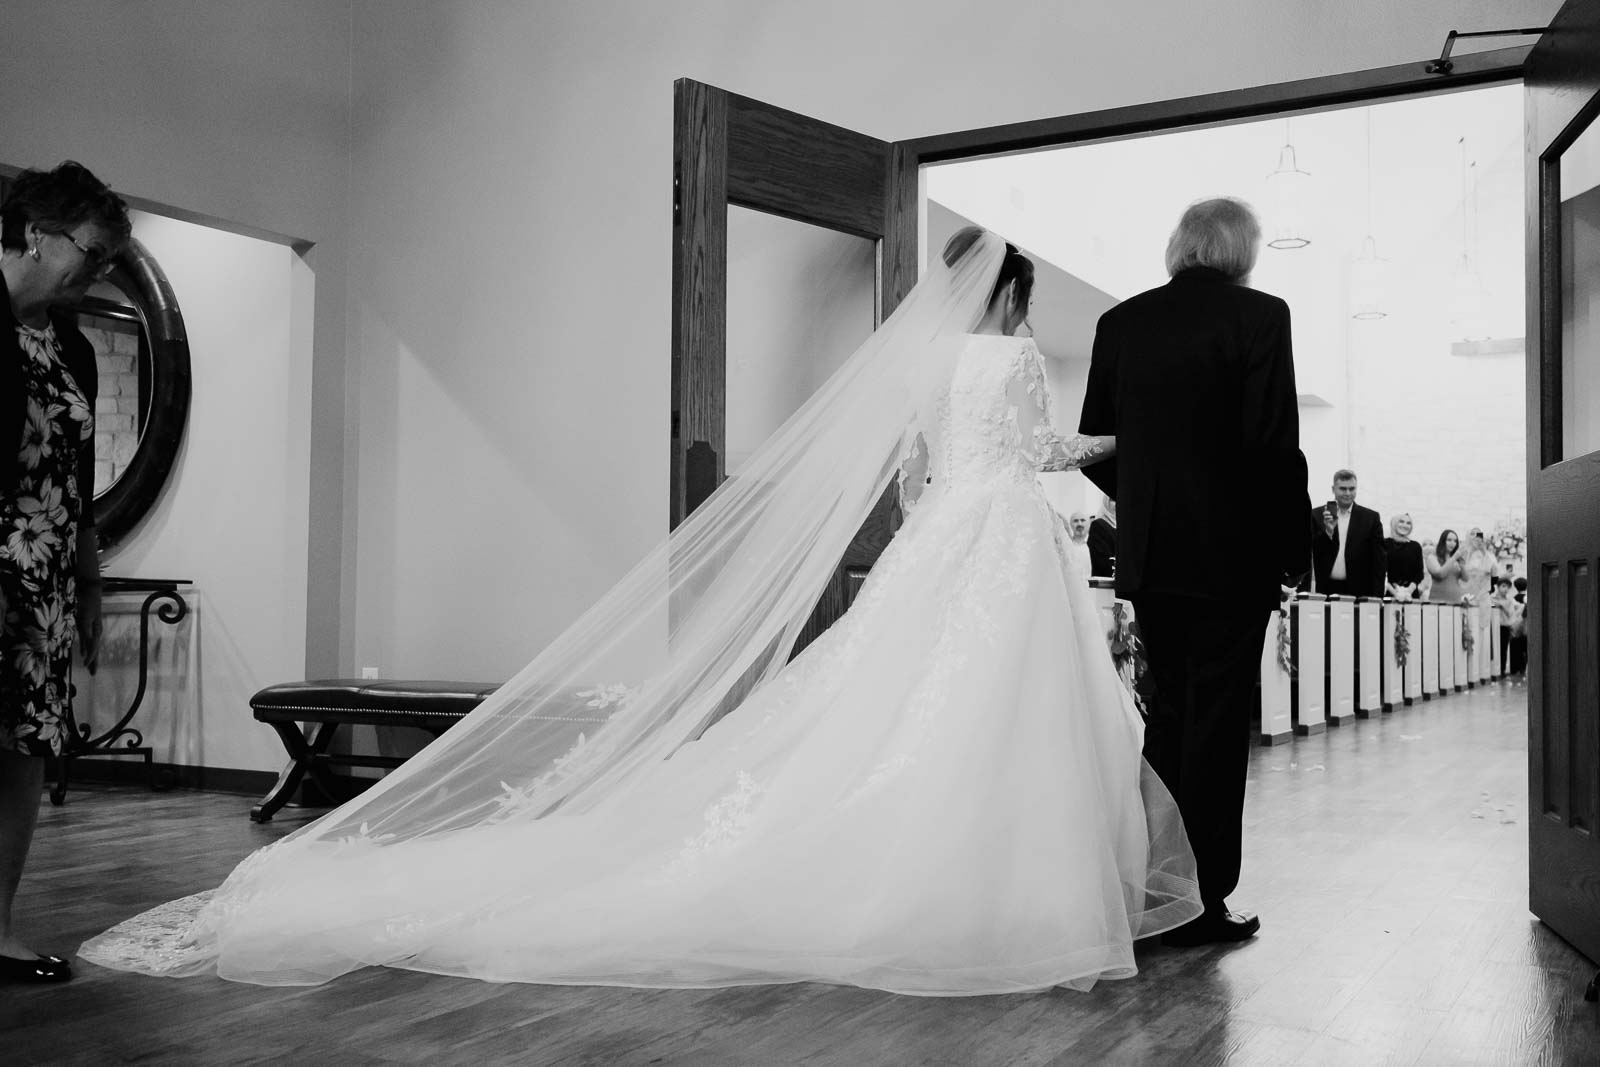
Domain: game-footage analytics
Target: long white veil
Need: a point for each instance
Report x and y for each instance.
(707, 616)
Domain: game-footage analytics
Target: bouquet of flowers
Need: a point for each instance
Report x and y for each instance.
(1285, 643)
(1508, 541)
(1402, 638)
(1127, 651)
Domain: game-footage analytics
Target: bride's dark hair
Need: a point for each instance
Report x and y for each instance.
(1015, 267)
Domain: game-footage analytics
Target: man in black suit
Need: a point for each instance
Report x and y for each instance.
(1196, 380)
(1103, 542)
(1347, 543)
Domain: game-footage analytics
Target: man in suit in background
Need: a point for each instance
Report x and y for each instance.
(1347, 543)
(1102, 541)
(1196, 380)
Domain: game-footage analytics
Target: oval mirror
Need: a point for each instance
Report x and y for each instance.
(142, 352)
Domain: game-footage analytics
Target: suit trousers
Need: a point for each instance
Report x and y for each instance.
(1204, 657)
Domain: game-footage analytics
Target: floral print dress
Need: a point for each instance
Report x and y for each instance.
(38, 553)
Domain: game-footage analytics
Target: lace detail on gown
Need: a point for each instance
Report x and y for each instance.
(158, 941)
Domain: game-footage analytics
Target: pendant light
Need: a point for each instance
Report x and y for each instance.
(1369, 274)
(1467, 295)
(1286, 188)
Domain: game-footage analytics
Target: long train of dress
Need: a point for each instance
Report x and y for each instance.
(943, 795)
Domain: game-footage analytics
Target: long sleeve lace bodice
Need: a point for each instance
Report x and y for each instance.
(995, 424)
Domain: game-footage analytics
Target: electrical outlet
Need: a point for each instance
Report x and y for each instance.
(369, 672)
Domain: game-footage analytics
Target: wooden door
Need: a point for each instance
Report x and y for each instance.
(732, 151)
(1562, 79)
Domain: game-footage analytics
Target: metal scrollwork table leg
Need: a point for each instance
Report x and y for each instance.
(122, 739)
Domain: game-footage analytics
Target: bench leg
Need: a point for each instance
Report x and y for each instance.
(302, 758)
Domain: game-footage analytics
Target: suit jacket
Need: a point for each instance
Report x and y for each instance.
(1196, 380)
(1102, 548)
(1365, 561)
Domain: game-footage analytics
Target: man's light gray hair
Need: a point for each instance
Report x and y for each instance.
(1221, 233)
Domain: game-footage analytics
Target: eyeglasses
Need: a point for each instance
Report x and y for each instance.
(99, 263)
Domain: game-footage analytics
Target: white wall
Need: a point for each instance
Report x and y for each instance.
(230, 113)
(800, 300)
(234, 518)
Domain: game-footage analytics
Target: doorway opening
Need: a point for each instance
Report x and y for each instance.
(1398, 246)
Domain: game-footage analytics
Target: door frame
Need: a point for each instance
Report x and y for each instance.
(733, 151)
(1496, 66)
(713, 173)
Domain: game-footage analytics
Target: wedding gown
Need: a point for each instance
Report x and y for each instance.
(942, 795)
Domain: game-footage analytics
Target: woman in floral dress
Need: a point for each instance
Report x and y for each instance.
(59, 231)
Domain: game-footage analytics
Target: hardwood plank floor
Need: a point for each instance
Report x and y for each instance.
(1387, 857)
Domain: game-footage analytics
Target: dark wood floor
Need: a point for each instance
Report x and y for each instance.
(1388, 860)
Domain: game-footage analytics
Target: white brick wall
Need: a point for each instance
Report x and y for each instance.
(116, 429)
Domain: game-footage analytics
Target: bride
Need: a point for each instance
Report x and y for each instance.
(942, 795)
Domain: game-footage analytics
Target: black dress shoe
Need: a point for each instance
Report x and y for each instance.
(43, 969)
(1213, 928)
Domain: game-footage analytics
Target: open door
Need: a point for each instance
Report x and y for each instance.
(1562, 79)
(731, 152)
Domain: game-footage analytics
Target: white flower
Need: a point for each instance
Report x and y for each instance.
(33, 540)
(36, 444)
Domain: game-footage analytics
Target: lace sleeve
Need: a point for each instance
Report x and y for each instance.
(1035, 413)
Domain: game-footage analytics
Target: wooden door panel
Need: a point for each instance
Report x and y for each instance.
(732, 150)
(1562, 79)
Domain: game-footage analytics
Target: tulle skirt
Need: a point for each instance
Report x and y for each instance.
(943, 795)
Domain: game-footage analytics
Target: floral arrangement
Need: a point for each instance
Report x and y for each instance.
(1509, 540)
(1127, 651)
(1467, 638)
(1402, 638)
(1285, 643)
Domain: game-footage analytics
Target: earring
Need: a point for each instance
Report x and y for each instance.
(33, 250)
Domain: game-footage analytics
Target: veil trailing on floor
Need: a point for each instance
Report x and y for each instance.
(706, 617)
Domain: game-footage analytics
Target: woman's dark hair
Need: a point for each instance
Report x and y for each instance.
(57, 200)
(1014, 267)
(1438, 547)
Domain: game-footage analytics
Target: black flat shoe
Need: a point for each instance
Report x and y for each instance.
(43, 969)
(1212, 929)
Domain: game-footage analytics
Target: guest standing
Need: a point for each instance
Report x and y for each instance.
(1446, 565)
(1506, 612)
(1479, 569)
(1347, 543)
(1402, 560)
(1103, 541)
(1078, 541)
(59, 231)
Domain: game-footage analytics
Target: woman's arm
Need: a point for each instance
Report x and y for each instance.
(1059, 453)
(1051, 451)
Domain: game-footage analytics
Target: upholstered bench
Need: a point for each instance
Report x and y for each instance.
(328, 705)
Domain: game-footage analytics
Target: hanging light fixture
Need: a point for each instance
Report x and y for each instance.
(1467, 294)
(1286, 187)
(1369, 274)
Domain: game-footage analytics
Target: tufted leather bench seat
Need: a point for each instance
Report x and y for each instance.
(327, 705)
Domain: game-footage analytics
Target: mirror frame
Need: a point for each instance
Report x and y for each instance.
(129, 499)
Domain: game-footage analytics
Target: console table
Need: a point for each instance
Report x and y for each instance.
(162, 596)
